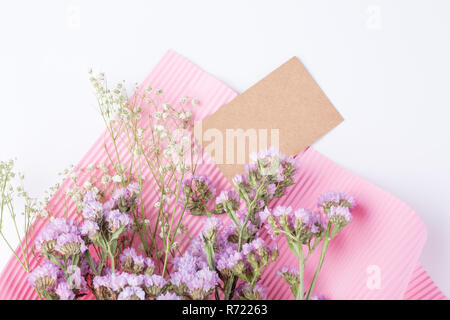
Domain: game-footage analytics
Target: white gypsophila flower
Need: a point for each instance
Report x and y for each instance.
(87, 185)
(73, 176)
(159, 128)
(43, 213)
(185, 140)
(183, 100)
(157, 204)
(140, 133)
(106, 179)
(117, 179)
(194, 102)
(164, 115)
(146, 222)
(158, 115)
(166, 106)
(90, 167)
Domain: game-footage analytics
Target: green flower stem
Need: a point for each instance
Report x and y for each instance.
(228, 294)
(301, 271)
(326, 240)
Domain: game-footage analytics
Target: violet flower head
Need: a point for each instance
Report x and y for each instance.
(89, 228)
(70, 244)
(132, 293)
(64, 291)
(211, 227)
(75, 278)
(92, 209)
(336, 198)
(240, 179)
(46, 240)
(228, 200)
(168, 296)
(245, 292)
(282, 211)
(197, 192)
(339, 214)
(117, 220)
(44, 277)
(289, 274)
(130, 261)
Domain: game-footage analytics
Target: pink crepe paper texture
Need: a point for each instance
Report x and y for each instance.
(385, 234)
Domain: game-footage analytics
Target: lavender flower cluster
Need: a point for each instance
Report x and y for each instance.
(226, 260)
(69, 267)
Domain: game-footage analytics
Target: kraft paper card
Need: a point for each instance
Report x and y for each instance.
(286, 109)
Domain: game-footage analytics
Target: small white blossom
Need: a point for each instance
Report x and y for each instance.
(43, 213)
(87, 185)
(117, 178)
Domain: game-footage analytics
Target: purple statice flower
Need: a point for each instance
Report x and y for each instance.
(227, 195)
(133, 188)
(127, 198)
(202, 283)
(260, 292)
(197, 192)
(245, 292)
(109, 205)
(134, 280)
(89, 228)
(149, 264)
(251, 168)
(263, 215)
(253, 246)
(113, 281)
(90, 195)
(336, 198)
(154, 284)
(168, 296)
(339, 214)
(227, 258)
(130, 260)
(123, 193)
(228, 200)
(92, 209)
(117, 220)
(46, 240)
(70, 244)
(154, 280)
(269, 163)
(211, 227)
(44, 277)
(132, 293)
(193, 277)
(240, 179)
(282, 211)
(64, 291)
(75, 278)
(304, 217)
(287, 270)
(270, 190)
(196, 250)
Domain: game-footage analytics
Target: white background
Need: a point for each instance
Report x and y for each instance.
(384, 64)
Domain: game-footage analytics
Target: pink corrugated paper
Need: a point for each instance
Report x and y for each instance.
(385, 233)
